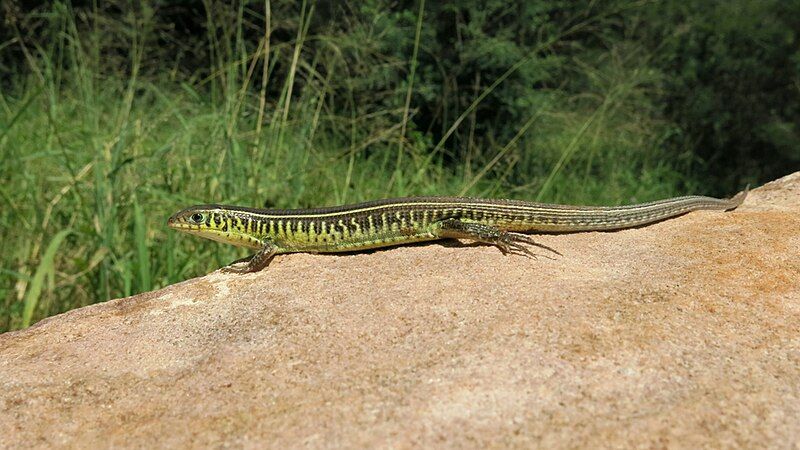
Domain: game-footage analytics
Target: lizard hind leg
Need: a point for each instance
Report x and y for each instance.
(505, 241)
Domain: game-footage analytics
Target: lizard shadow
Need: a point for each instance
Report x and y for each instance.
(446, 243)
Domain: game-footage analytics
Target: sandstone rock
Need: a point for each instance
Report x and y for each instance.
(685, 333)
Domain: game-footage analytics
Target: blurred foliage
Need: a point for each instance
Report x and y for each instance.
(732, 85)
(722, 74)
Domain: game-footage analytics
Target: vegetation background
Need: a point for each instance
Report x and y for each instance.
(115, 114)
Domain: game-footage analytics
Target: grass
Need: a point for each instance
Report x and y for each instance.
(94, 160)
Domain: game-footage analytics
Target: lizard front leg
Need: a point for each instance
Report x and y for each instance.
(257, 262)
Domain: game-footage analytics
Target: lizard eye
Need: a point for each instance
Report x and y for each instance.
(197, 218)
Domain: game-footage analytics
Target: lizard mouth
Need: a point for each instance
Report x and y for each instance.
(175, 223)
(185, 227)
(172, 222)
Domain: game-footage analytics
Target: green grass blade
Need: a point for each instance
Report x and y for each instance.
(142, 253)
(45, 266)
(6, 128)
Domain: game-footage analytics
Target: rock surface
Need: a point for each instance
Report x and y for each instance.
(685, 333)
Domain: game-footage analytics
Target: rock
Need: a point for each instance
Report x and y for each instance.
(684, 333)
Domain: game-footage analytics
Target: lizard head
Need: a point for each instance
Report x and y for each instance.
(214, 222)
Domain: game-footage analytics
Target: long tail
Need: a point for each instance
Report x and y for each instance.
(567, 219)
(738, 199)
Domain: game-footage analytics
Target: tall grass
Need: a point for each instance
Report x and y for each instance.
(94, 159)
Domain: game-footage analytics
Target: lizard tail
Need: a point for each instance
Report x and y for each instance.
(738, 199)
